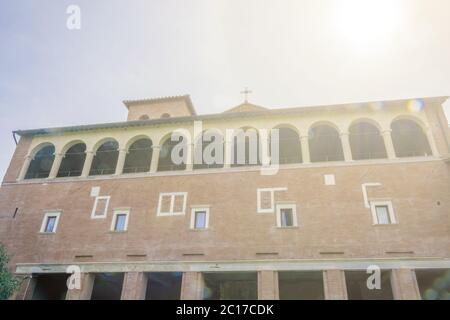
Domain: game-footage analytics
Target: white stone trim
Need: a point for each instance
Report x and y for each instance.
(196, 209)
(172, 196)
(114, 219)
(388, 204)
(94, 209)
(240, 265)
(230, 170)
(272, 199)
(364, 187)
(48, 214)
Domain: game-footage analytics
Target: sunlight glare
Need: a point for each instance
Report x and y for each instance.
(366, 24)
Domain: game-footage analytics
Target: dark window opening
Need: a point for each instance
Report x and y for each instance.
(73, 162)
(41, 164)
(434, 284)
(301, 285)
(246, 148)
(163, 286)
(144, 117)
(107, 286)
(139, 157)
(165, 155)
(409, 139)
(290, 148)
(50, 287)
(105, 160)
(165, 116)
(366, 142)
(325, 144)
(357, 288)
(214, 139)
(230, 286)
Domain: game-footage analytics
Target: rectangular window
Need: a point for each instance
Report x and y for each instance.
(382, 212)
(286, 215)
(100, 209)
(120, 221)
(200, 218)
(50, 222)
(265, 199)
(172, 204)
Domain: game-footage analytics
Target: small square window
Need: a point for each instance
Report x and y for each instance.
(50, 226)
(100, 209)
(50, 222)
(120, 221)
(382, 212)
(287, 215)
(200, 218)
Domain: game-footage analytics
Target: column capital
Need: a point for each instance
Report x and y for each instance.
(344, 133)
(387, 131)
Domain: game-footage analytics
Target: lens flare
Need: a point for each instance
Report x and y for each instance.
(416, 105)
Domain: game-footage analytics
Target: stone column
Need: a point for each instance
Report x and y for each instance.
(334, 285)
(305, 149)
(432, 142)
(389, 144)
(25, 166)
(134, 286)
(268, 285)
(56, 164)
(87, 164)
(85, 290)
(26, 289)
(155, 159)
(345, 141)
(121, 162)
(192, 286)
(404, 284)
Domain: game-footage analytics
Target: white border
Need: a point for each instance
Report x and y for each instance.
(105, 212)
(172, 196)
(294, 215)
(47, 215)
(126, 212)
(387, 203)
(272, 199)
(193, 212)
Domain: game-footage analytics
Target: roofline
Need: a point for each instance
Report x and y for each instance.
(139, 123)
(186, 98)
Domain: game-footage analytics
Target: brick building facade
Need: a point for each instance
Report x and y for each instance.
(358, 185)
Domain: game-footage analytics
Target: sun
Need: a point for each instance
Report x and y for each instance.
(367, 24)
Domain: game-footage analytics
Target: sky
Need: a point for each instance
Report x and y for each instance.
(290, 53)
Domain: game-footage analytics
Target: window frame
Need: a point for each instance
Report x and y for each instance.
(391, 212)
(94, 209)
(194, 211)
(292, 206)
(172, 196)
(272, 191)
(116, 213)
(47, 215)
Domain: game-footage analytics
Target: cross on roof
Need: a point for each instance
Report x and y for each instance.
(246, 92)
